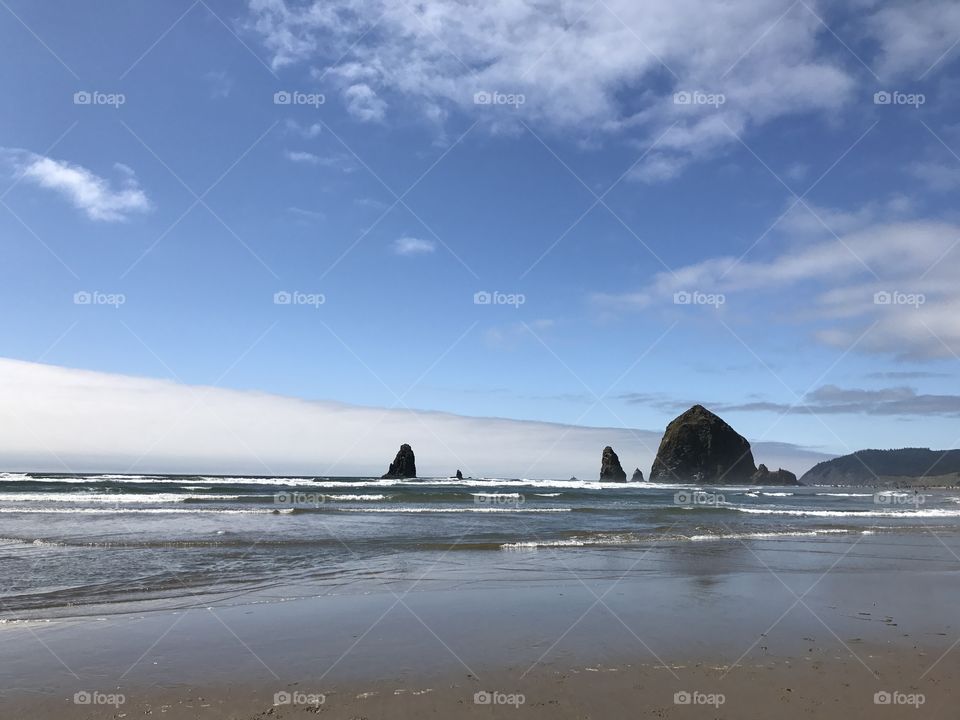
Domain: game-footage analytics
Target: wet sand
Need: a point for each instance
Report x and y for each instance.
(796, 643)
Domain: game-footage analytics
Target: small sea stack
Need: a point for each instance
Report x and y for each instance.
(763, 476)
(459, 475)
(637, 475)
(404, 465)
(610, 468)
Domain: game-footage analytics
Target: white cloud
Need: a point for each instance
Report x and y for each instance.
(307, 131)
(221, 84)
(914, 35)
(304, 214)
(939, 176)
(364, 104)
(302, 157)
(831, 281)
(581, 65)
(413, 246)
(86, 191)
(64, 419)
(340, 162)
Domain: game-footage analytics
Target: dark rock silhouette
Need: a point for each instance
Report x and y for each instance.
(459, 475)
(699, 446)
(763, 476)
(637, 475)
(610, 468)
(404, 465)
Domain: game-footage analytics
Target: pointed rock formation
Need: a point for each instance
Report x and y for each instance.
(637, 475)
(459, 475)
(610, 468)
(699, 446)
(404, 465)
(763, 476)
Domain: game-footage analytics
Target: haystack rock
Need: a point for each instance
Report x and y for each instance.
(404, 465)
(637, 475)
(763, 476)
(459, 475)
(699, 446)
(610, 468)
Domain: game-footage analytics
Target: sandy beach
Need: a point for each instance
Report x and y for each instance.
(740, 633)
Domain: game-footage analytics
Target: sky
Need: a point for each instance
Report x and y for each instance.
(509, 233)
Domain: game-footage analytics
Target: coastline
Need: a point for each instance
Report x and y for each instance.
(818, 636)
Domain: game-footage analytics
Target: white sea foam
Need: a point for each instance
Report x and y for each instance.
(131, 511)
(453, 510)
(926, 512)
(844, 494)
(609, 539)
(110, 498)
(769, 535)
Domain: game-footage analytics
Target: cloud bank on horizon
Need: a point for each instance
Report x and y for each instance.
(59, 419)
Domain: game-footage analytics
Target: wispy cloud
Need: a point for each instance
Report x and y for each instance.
(364, 103)
(95, 196)
(339, 162)
(306, 131)
(834, 400)
(299, 156)
(304, 214)
(413, 246)
(764, 62)
(867, 277)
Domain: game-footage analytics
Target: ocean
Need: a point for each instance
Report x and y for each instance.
(82, 545)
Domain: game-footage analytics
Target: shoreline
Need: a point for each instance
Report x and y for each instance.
(598, 644)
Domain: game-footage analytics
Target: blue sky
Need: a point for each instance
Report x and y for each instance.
(781, 199)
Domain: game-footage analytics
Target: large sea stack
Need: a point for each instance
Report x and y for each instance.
(404, 465)
(699, 446)
(610, 468)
